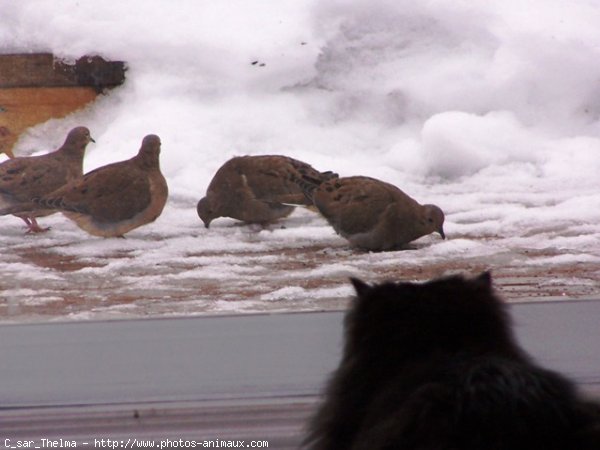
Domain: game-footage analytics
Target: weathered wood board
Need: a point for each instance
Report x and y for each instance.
(37, 87)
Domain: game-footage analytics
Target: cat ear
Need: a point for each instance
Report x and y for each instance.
(484, 280)
(360, 286)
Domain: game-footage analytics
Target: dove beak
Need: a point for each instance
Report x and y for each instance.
(442, 234)
(92, 140)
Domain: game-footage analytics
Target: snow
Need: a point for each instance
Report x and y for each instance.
(489, 109)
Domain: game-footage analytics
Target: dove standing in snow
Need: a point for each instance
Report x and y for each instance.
(5, 136)
(375, 215)
(114, 199)
(258, 189)
(24, 178)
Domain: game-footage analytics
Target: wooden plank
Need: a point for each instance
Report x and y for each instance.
(21, 108)
(44, 70)
(32, 70)
(37, 87)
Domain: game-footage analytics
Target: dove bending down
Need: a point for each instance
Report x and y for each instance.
(24, 178)
(114, 199)
(258, 189)
(374, 215)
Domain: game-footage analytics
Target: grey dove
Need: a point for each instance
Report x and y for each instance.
(258, 189)
(117, 198)
(374, 215)
(24, 178)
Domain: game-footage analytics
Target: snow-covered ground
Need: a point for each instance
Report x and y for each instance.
(489, 109)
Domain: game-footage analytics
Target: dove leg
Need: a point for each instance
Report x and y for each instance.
(33, 226)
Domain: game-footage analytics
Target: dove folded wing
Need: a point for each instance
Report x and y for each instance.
(102, 194)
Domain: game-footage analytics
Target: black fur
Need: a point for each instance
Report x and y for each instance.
(435, 366)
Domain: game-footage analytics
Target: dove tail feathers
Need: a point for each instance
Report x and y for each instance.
(308, 184)
(51, 203)
(59, 204)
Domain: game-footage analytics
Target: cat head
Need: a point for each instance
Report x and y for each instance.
(409, 319)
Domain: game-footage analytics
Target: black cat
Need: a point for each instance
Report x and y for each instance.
(436, 366)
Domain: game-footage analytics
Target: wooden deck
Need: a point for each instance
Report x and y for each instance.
(35, 87)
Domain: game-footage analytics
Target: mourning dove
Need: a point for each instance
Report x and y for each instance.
(375, 215)
(114, 199)
(5, 139)
(24, 178)
(258, 189)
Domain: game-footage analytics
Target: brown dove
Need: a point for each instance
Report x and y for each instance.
(257, 189)
(5, 137)
(114, 199)
(375, 215)
(24, 178)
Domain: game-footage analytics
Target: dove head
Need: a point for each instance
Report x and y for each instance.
(434, 217)
(150, 151)
(207, 210)
(76, 141)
